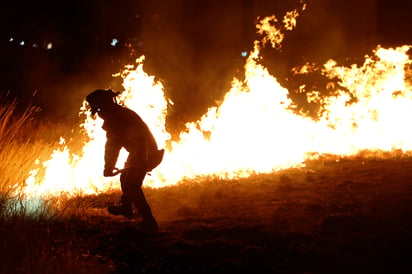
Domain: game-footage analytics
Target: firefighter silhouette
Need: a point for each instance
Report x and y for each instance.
(124, 128)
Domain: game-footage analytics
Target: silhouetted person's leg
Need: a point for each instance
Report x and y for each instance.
(131, 182)
(132, 189)
(125, 208)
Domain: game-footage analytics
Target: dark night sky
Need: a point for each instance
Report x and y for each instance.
(193, 47)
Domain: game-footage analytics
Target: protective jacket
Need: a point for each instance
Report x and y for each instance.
(125, 128)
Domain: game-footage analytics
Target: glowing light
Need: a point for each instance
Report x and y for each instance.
(114, 42)
(290, 20)
(244, 53)
(272, 34)
(11, 39)
(22, 43)
(49, 46)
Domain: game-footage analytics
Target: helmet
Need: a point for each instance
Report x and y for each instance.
(101, 98)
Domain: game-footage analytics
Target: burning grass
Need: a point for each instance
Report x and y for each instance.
(26, 245)
(334, 214)
(351, 215)
(24, 141)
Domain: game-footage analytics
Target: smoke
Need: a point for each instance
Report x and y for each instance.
(195, 48)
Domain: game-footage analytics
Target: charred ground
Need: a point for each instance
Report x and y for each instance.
(346, 216)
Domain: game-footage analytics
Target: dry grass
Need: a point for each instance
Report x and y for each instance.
(335, 215)
(346, 216)
(25, 140)
(20, 146)
(25, 239)
(330, 217)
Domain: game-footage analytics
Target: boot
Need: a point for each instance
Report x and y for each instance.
(149, 224)
(139, 200)
(124, 209)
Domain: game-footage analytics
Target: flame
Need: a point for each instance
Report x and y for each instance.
(255, 129)
(273, 30)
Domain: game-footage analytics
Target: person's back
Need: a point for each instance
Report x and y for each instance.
(129, 131)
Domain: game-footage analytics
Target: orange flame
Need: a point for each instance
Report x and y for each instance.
(255, 129)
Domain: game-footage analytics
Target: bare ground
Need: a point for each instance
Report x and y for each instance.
(346, 216)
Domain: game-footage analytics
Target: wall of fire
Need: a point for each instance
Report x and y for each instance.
(65, 50)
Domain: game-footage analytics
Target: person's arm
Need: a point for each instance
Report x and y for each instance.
(111, 153)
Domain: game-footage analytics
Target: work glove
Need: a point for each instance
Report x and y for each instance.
(108, 172)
